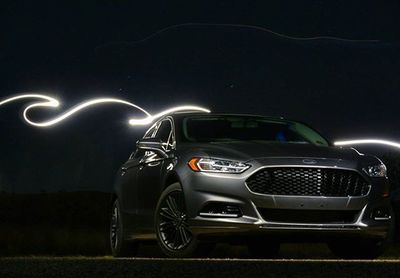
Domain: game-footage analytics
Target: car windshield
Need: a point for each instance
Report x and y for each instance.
(248, 128)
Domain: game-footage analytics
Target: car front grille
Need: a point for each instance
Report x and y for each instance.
(302, 181)
(309, 216)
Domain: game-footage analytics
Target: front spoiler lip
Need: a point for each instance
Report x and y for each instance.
(253, 223)
(322, 227)
(215, 228)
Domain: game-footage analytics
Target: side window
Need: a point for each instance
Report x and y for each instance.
(164, 131)
(166, 135)
(149, 133)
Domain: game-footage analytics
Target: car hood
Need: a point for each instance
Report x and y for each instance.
(248, 150)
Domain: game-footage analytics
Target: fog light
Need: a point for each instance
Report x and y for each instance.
(220, 210)
(381, 214)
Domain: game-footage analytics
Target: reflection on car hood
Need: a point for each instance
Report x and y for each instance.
(246, 150)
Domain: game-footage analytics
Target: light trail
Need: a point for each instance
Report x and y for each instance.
(149, 119)
(367, 141)
(49, 102)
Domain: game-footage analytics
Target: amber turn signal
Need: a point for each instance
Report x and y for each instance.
(193, 164)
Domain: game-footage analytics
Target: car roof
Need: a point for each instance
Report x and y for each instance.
(184, 114)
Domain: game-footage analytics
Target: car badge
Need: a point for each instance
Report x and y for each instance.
(309, 161)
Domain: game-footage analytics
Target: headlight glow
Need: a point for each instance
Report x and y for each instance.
(376, 171)
(212, 165)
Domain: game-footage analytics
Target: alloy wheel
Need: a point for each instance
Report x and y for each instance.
(173, 227)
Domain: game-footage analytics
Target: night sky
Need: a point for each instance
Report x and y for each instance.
(162, 54)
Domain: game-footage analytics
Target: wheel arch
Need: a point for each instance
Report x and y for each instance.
(171, 178)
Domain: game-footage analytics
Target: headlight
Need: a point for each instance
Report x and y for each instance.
(376, 170)
(199, 164)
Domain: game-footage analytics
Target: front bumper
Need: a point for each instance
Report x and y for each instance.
(201, 189)
(245, 226)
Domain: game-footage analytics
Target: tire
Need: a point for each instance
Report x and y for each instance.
(172, 230)
(357, 249)
(262, 248)
(120, 247)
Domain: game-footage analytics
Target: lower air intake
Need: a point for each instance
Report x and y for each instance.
(309, 216)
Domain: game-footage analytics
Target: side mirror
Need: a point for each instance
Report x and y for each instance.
(152, 144)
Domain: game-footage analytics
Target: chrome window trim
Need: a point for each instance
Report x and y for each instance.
(146, 134)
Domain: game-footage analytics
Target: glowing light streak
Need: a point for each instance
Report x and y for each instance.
(149, 119)
(49, 102)
(367, 141)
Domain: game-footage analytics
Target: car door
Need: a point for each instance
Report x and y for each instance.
(149, 175)
(128, 186)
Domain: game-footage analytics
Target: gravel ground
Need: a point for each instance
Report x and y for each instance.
(294, 260)
(151, 267)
